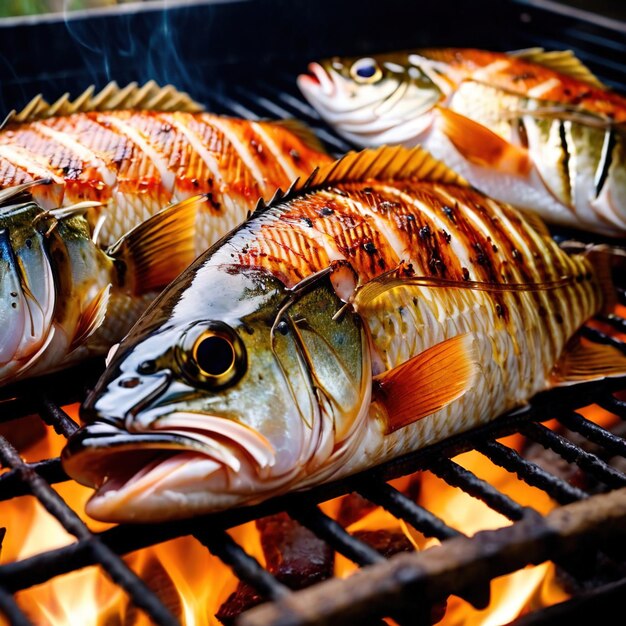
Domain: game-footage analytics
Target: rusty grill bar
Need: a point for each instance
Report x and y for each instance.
(410, 583)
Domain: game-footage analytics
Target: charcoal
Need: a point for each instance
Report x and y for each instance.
(293, 554)
(353, 507)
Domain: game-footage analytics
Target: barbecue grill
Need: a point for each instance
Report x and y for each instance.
(241, 58)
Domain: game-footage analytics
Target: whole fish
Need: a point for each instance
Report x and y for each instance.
(532, 128)
(138, 149)
(109, 161)
(381, 306)
(62, 297)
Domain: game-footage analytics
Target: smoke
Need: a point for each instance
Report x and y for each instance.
(137, 43)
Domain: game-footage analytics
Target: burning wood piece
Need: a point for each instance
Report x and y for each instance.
(159, 582)
(292, 553)
(353, 507)
(23, 432)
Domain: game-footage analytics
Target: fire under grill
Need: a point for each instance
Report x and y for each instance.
(578, 464)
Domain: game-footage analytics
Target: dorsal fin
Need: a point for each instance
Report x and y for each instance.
(305, 133)
(379, 164)
(149, 97)
(563, 61)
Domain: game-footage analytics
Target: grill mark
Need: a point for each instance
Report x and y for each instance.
(426, 215)
(279, 156)
(37, 166)
(606, 158)
(126, 128)
(548, 304)
(229, 130)
(86, 155)
(565, 163)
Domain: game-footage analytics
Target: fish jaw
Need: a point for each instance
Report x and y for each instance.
(149, 476)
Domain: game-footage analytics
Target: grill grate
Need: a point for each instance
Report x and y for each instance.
(105, 548)
(410, 583)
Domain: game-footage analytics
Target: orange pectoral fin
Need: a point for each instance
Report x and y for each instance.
(482, 146)
(428, 382)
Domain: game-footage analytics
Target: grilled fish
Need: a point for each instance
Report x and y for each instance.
(138, 149)
(379, 307)
(62, 297)
(108, 166)
(533, 128)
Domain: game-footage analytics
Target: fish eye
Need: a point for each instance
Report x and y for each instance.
(212, 356)
(366, 71)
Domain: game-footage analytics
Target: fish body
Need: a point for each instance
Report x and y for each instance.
(381, 309)
(123, 155)
(138, 149)
(535, 129)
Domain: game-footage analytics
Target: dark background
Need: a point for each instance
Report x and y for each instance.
(204, 49)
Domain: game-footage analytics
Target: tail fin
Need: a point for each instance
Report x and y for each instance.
(584, 359)
(609, 263)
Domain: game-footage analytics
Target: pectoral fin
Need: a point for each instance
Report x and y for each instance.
(584, 361)
(482, 146)
(428, 382)
(159, 249)
(92, 317)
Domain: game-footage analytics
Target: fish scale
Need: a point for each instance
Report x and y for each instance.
(137, 162)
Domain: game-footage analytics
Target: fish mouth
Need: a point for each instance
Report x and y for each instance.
(318, 80)
(178, 469)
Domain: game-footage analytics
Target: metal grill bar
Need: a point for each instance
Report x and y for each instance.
(531, 473)
(246, 567)
(328, 529)
(11, 610)
(56, 417)
(574, 454)
(599, 337)
(399, 505)
(11, 484)
(576, 422)
(114, 566)
(449, 568)
(458, 476)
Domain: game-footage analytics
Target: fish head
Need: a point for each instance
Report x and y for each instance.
(375, 100)
(36, 284)
(223, 393)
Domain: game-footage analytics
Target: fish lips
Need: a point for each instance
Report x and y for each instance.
(90, 452)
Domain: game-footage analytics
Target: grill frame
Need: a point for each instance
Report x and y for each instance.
(253, 37)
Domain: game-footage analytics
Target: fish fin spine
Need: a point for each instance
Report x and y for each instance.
(427, 382)
(156, 251)
(147, 97)
(386, 163)
(562, 61)
(584, 361)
